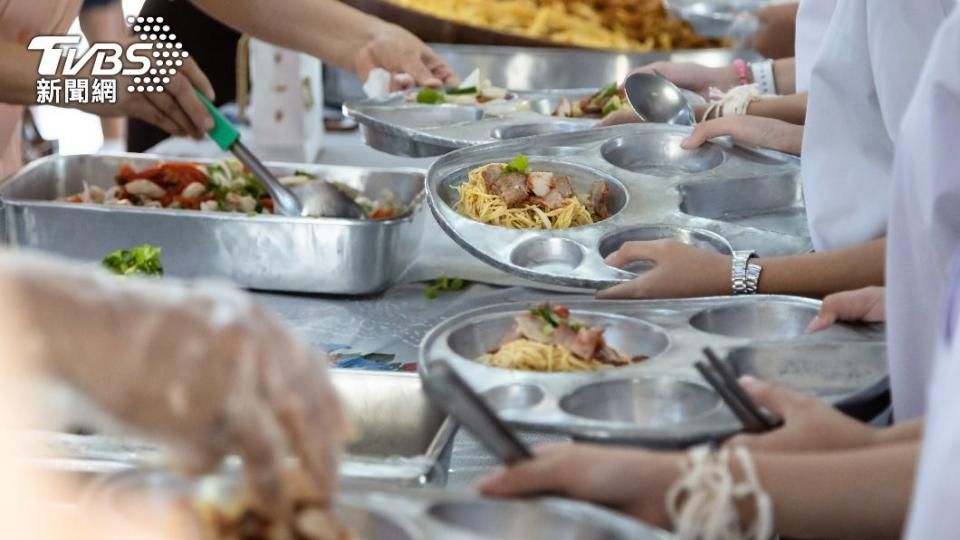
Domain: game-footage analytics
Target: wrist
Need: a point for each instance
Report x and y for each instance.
(726, 77)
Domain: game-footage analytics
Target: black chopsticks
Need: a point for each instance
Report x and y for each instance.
(722, 379)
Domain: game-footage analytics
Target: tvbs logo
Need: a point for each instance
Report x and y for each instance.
(108, 58)
(91, 76)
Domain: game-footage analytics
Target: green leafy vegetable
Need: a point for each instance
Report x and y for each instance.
(545, 313)
(305, 173)
(461, 91)
(613, 105)
(429, 96)
(519, 164)
(444, 284)
(603, 94)
(139, 261)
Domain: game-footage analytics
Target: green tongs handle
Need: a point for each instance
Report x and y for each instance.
(223, 132)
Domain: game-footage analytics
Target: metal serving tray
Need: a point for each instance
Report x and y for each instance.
(663, 401)
(718, 18)
(402, 439)
(327, 255)
(386, 514)
(714, 197)
(394, 125)
(532, 69)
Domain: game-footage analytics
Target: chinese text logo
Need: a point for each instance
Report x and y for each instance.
(69, 77)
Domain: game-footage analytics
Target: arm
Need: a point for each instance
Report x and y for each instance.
(18, 74)
(785, 74)
(814, 494)
(105, 24)
(791, 108)
(862, 493)
(335, 33)
(809, 274)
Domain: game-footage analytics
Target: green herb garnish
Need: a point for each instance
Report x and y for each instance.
(604, 93)
(444, 284)
(519, 164)
(429, 96)
(545, 313)
(139, 261)
(305, 173)
(461, 91)
(613, 105)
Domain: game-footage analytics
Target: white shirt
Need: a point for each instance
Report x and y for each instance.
(936, 491)
(813, 18)
(924, 223)
(861, 84)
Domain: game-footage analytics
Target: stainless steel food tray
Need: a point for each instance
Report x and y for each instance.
(385, 514)
(401, 438)
(531, 68)
(714, 197)
(392, 124)
(663, 402)
(335, 256)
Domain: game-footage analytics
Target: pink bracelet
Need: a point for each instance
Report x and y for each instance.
(742, 72)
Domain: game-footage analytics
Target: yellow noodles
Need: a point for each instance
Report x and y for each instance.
(479, 204)
(528, 355)
(638, 25)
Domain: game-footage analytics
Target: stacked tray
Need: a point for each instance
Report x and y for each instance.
(717, 197)
(385, 514)
(663, 401)
(326, 255)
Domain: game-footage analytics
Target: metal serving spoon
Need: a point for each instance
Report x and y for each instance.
(314, 199)
(655, 99)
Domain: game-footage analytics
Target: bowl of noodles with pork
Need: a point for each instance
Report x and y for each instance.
(524, 195)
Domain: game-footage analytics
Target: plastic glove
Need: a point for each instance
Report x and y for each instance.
(203, 367)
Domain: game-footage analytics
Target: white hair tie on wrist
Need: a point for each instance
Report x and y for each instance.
(702, 503)
(733, 102)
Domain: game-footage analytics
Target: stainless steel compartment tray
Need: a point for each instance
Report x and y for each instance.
(401, 438)
(531, 68)
(393, 125)
(388, 514)
(325, 255)
(716, 197)
(663, 401)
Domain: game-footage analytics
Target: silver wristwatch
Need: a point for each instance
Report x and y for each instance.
(745, 277)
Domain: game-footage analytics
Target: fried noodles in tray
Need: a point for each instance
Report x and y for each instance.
(546, 339)
(508, 195)
(632, 25)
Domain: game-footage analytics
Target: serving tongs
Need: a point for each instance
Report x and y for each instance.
(724, 382)
(314, 199)
(452, 394)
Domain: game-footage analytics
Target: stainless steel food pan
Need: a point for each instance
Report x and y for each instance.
(400, 437)
(335, 256)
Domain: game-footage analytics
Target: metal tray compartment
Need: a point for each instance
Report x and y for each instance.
(384, 514)
(531, 68)
(718, 197)
(663, 401)
(401, 438)
(335, 256)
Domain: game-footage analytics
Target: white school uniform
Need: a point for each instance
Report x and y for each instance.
(924, 223)
(813, 18)
(861, 83)
(936, 491)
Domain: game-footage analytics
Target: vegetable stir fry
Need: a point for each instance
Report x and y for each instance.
(218, 187)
